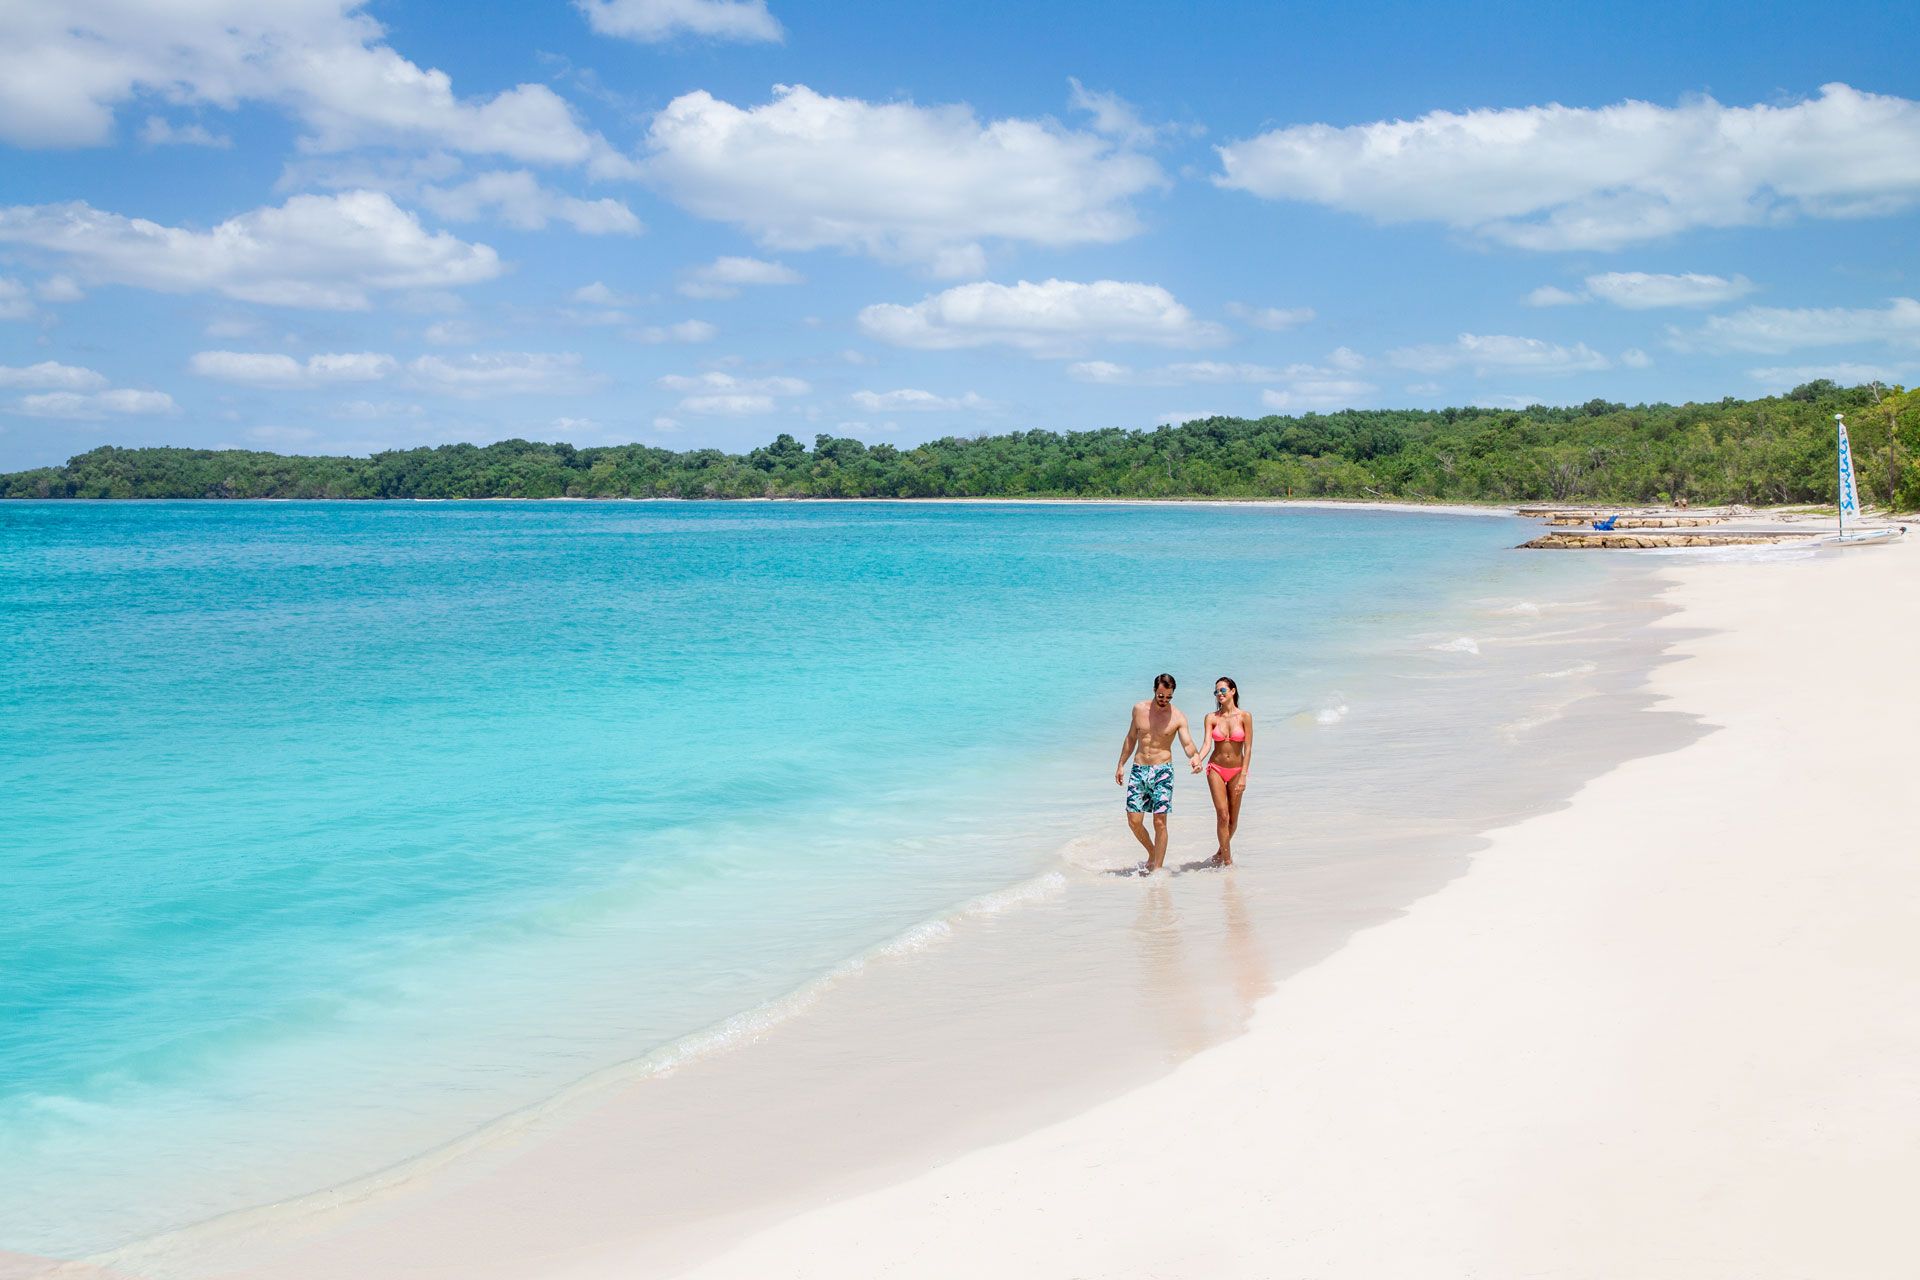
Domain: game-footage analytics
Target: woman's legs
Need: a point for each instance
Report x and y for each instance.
(1234, 796)
(1222, 818)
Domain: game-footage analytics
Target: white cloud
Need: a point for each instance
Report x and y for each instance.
(684, 331)
(598, 294)
(667, 424)
(1052, 318)
(1317, 392)
(913, 400)
(1555, 177)
(1170, 375)
(1845, 372)
(727, 403)
(1499, 353)
(904, 183)
(718, 381)
(1640, 291)
(328, 252)
(156, 132)
(716, 392)
(1550, 295)
(259, 369)
(1272, 318)
(504, 373)
(516, 198)
(724, 277)
(1778, 329)
(1635, 358)
(1113, 116)
(651, 21)
(59, 289)
(49, 375)
(450, 333)
(92, 406)
(15, 303)
(1100, 371)
(64, 69)
(1182, 416)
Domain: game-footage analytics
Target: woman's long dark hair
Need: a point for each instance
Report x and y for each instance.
(1228, 681)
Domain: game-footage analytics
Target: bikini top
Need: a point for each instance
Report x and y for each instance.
(1220, 735)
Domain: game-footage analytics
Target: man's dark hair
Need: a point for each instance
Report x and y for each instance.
(1163, 679)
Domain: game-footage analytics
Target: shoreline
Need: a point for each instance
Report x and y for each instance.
(443, 1197)
(1663, 1031)
(1322, 504)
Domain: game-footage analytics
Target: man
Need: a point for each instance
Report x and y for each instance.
(1149, 783)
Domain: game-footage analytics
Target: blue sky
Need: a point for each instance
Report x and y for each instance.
(317, 226)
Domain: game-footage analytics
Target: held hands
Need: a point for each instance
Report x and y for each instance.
(1193, 763)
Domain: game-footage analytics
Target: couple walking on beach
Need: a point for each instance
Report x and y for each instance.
(1228, 733)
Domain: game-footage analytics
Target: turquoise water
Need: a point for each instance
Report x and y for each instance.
(334, 831)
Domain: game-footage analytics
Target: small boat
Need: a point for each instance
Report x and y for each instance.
(1849, 503)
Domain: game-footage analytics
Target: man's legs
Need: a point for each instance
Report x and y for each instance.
(1157, 851)
(1137, 823)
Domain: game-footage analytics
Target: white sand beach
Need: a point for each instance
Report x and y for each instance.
(1666, 1031)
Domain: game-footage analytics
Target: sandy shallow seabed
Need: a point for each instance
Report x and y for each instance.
(1668, 1031)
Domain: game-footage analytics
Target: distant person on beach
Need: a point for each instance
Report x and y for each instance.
(1149, 782)
(1230, 730)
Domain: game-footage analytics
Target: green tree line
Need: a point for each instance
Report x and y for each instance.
(1773, 450)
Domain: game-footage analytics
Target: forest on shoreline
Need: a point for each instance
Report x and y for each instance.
(1773, 450)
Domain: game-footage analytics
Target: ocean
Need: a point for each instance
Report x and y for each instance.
(337, 831)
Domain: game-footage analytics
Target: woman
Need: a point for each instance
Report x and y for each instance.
(1230, 730)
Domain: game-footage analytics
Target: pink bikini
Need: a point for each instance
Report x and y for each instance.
(1220, 735)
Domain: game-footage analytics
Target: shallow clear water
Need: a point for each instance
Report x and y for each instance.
(334, 831)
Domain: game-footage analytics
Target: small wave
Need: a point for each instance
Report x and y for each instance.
(1578, 669)
(1528, 724)
(1521, 609)
(1041, 887)
(1330, 715)
(1464, 644)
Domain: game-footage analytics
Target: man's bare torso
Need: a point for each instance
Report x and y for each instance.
(1155, 728)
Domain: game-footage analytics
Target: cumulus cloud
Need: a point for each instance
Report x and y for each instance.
(1314, 391)
(1552, 295)
(598, 294)
(1640, 291)
(15, 302)
(651, 21)
(1635, 358)
(684, 331)
(1113, 116)
(157, 132)
(259, 369)
(1499, 353)
(1779, 329)
(93, 406)
(716, 392)
(903, 183)
(1051, 318)
(516, 198)
(724, 277)
(1271, 318)
(914, 400)
(49, 375)
(65, 68)
(1554, 177)
(1179, 374)
(327, 252)
(504, 373)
